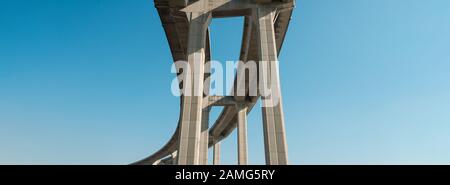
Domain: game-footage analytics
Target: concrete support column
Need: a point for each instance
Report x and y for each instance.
(242, 134)
(216, 154)
(192, 105)
(272, 111)
(204, 137)
(157, 162)
(174, 157)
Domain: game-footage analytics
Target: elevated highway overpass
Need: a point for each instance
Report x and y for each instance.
(185, 23)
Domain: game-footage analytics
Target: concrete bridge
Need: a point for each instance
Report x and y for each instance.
(186, 26)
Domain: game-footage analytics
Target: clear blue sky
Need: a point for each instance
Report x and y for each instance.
(88, 82)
